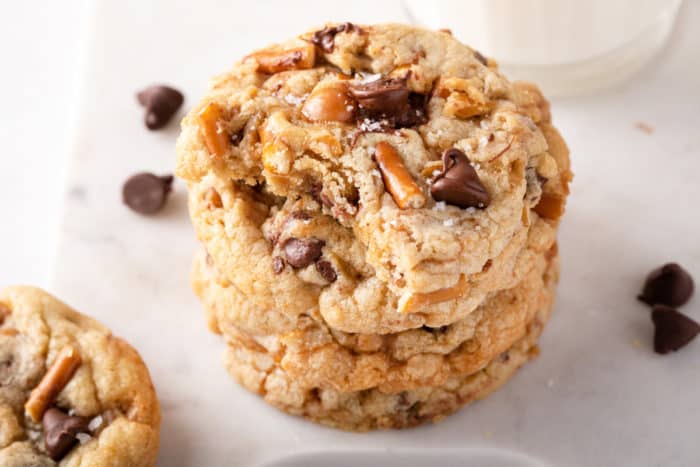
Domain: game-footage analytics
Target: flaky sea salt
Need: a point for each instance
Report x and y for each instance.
(440, 206)
(83, 437)
(448, 222)
(368, 78)
(369, 126)
(293, 100)
(95, 423)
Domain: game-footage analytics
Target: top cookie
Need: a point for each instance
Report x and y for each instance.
(71, 394)
(411, 142)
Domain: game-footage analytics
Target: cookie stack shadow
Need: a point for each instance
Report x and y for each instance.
(337, 303)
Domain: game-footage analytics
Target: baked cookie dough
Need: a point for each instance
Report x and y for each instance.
(71, 393)
(261, 372)
(315, 355)
(371, 172)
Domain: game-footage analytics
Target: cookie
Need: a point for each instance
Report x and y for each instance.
(384, 169)
(370, 409)
(71, 393)
(315, 355)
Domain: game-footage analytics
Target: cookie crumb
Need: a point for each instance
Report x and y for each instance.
(644, 127)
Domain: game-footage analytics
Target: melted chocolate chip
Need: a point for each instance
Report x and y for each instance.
(300, 252)
(459, 184)
(146, 193)
(60, 432)
(669, 285)
(325, 269)
(388, 103)
(325, 38)
(672, 329)
(278, 265)
(161, 103)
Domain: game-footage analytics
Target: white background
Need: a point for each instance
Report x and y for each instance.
(40, 49)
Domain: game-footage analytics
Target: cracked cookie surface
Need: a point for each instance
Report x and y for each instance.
(320, 175)
(71, 393)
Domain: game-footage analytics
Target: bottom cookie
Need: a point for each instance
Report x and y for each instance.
(373, 409)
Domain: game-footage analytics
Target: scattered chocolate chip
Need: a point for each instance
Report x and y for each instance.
(278, 265)
(481, 58)
(325, 268)
(60, 432)
(672, 329)
(669, 285)
(388, 103)
(300, 252)
(161, 103)
(459, 184)
(146, 193)
(325, 38)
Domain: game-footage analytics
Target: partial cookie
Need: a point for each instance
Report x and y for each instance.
(315, 355)
(372, 409)
(425, 163)
(69, 390)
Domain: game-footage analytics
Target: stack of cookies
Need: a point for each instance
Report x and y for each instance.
(378, 209)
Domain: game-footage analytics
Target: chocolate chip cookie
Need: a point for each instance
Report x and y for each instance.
(316, 355)
(378, 207)
(262, 372)
(387, 172)
(71, 394)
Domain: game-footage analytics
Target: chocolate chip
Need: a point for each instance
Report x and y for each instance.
(672, 330)
(669, 285)
(146, 193)
(300, 252)
(480, 57)
(278, 265)
(388, 103)
(382, 96)
(317, 193)
(325, 38)
(60, 432)
(459, 184)
(161, 103)
(325, 268)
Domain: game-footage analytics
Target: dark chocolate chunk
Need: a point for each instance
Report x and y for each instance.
(325, 38)
(672, 329)
(60, 432)
(388, 103)
(300, 252)
(459, 184)
(146, 193)
(668, 285)
(161, 103)
(325, 269)
(278, 264)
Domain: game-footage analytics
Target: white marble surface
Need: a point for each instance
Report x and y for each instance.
(597, 395)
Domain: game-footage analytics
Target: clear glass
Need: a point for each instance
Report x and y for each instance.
(567, 47)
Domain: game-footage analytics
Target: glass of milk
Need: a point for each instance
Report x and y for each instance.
(567, 47)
